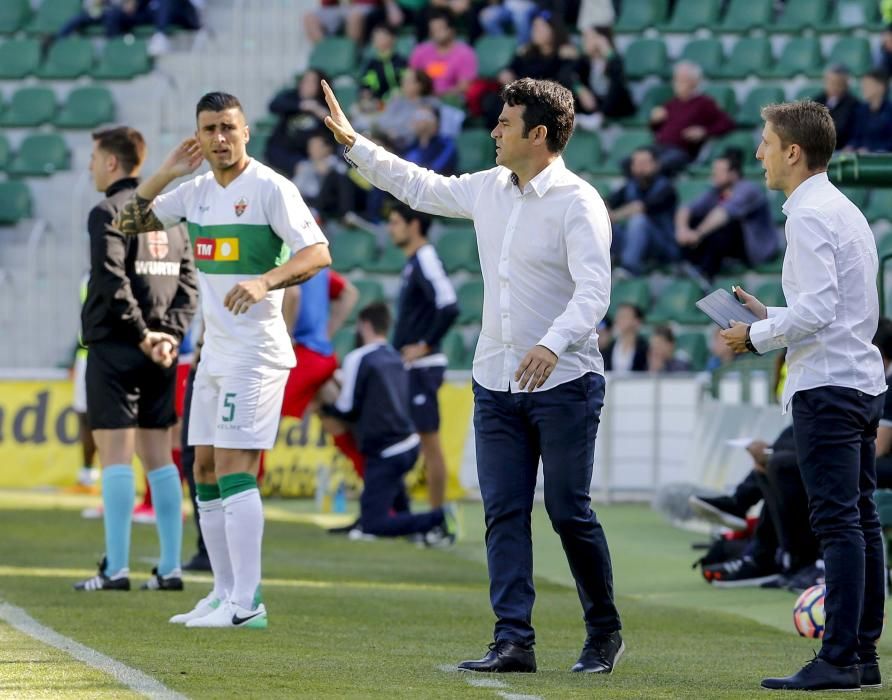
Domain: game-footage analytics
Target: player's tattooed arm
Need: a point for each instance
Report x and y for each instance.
(294, 279)
(136, 216)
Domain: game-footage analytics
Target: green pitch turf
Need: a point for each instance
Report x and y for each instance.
(385, 619)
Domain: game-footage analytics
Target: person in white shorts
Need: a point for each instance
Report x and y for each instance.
(242, 218)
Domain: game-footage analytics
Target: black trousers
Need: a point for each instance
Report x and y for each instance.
(188, 457)
(835, 430)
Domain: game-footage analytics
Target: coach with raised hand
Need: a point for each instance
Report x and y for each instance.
(544, 240)
(835, 383)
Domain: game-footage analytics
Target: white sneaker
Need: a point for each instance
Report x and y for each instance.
(357, 535)
(230, 615)
(203, 607)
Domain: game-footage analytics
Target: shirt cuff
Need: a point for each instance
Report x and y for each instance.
(360, 152)
(554, 342)
(762, 337)
(775, 310)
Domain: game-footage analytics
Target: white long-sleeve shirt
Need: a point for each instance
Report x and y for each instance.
(544, 254)
(829, 281)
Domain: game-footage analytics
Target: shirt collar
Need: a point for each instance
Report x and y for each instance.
(804, 187)
(546, 179)
(125, 183)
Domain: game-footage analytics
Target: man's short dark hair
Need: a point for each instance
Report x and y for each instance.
(546, 103)
(880, 75)
(734, 156)
(377, 315)
(443, 13)
(383, 27)
(425, 81)
(408, 214)
(883, 338)
(126, 144)
(217, 102)
(665, 332)
(639, 314)
(807, 124)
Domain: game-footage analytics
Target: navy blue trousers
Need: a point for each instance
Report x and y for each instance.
(512, 431)
(835, 430)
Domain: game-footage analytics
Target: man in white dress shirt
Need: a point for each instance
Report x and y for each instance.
(835, 384)
(544, 240)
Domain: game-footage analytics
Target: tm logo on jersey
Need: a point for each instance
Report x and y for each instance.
(220, 249)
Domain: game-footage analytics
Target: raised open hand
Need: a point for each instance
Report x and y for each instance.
(337, 121)
(183, 159)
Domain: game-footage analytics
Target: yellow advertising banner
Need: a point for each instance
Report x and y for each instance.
(39, 443)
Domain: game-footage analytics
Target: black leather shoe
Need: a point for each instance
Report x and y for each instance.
(870, 676)
(818, 674)
(600, 654)
(503, 657)
(200, 562)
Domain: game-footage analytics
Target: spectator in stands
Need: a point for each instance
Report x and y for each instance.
(873, 117)
(322, 179)
(641, 212)
(661, 355)
(500, 14)
(600, 84)
(840, 101)
(381, 71)
(450, 63)
(333, 15)
(123, 16)
(301, 112)
(430, 149)
(605, 334)
(684, 123)
(627, 352)
(466, 14)
(416, 90)
(730, 220)
(720, 354)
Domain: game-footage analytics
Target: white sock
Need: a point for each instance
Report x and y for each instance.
(244, 535)
(213, 530)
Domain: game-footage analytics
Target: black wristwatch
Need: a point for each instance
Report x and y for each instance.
(749, 343)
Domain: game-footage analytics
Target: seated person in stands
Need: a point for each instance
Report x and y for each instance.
(627, 351)
(883, 340)
(465, 15)
(333, 15)
(730, 220)
(641, 212)
(322, 179)
(381, 71)
(300, 111)
(873, 117)
(600, 85)
(661, 355)
(688, 120)
(416, 90)
(450, 63)
(840, 101)
(430, 149)
(499, 14)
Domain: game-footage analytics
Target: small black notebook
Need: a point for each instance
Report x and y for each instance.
(723, 307)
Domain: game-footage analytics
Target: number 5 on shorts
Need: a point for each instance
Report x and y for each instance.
(230, 406)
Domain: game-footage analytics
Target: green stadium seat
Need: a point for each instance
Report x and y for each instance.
(470, 302)
(776, 200)
(351, 250)
(724, 96)
(458, 251)
(690, 15)
(645, 58)
(622, 148)
(51, 15)
(19, 58)
(639, 15)
(13, 15)
(857, 195)
(348, 93)
(655, 96)
(809, 91)
(453, 345)
(742, 139)
(5, 151)
(344, 341)
(67, 59)
(749, 56)
(879, 206)
(693, 345)
(369, 291)
(771, 293)
(15, 202)
(706, 53)
(40, 154)
(801, 55)
(633, 290)
(846, 15)
(745, 15)
(750, 111)
(583, 152)
(853, 52)
(688, 190)
(390, 262)
(123, 59)
(676, 303)
(257, 144)
(798, 15)
(493, 54)
(335, 56)
(30, 106)
(404, 45)
(86, 108)
(476, 150)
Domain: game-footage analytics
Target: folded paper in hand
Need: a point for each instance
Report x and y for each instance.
(723, 308)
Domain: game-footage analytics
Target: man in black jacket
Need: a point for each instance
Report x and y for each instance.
(141, 297)
(840, 101)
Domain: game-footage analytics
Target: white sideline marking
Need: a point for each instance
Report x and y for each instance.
(517, 696)
(135, 680)
(486, 683)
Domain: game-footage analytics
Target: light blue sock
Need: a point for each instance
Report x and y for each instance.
(117, 506)
(167, 497)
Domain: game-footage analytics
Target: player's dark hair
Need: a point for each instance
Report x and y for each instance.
(126, 144)
(546, 103)
(734, 156)
(809, 125)
(639, 314)
(425, 81)
(883, 338)
(443, 13)
(880, 75)
(377, 315)
(217, 102)
(408, 214)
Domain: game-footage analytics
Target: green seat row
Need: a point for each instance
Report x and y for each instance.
(15, 202)
(120, 59)
(84, 108)
(38, 155)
